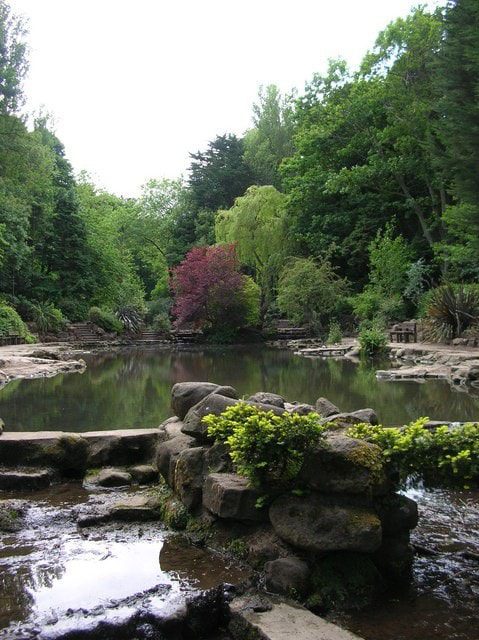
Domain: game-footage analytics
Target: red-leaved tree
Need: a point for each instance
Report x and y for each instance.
(207, 288)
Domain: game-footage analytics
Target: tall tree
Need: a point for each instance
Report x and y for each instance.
(270, 140)
(257, 225)
(13, 61)
(219, 174)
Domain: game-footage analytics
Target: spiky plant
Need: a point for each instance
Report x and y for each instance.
(451, 310)
(130, 317)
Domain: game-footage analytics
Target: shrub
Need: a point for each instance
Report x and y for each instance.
(74, 310)
(450, 310)
(335, 334)
(266, 448)
(445, 455)
(371, 304)
(105, 320)
(11, 323)
(47, 317)
(373, 341)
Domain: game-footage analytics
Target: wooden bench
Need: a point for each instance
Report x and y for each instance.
(403, 332)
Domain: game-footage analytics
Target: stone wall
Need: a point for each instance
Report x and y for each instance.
(346, 533)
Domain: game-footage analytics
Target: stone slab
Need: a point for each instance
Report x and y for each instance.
(281, 621)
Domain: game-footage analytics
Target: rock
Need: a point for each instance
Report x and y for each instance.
(189, 476)
(215, 404)
(459, 342)
(185, 395)
(263, 397)
(12, 513)
(64, 452)
(144, 473)
(325, 408)
(342, 420)
(303, 409)
(121, 446)
(264, 545)
(170, 428)
(113, 478)
(142, 507)
(167, 454)
(217, 459)
(394, 557)
(315, 523)
(229, 496)
(287, 576)
(2, 426)
(366, 415)
(397, 514)
(27, 480)
(344, 465)
(276, 620)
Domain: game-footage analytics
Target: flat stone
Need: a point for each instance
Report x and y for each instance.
(25, 480)
(113, 478)
(142, 507)
(318, 524)
(342, 420)
(229, 496)
(59, 450)
(121, 446)
(144, 473)
(344, 465)
(280, 621)
(325, 408)
(184, 395)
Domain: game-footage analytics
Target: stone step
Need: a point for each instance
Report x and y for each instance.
(273, 619)
(24, 480)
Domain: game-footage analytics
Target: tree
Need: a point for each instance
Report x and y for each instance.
(271, 138)
(257, 225)
(219, 174)
(209, 289)
(458, 129)
(390, 260)
(13, 62)
(309, 292)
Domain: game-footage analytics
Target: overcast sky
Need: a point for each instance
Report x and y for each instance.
(136, 85)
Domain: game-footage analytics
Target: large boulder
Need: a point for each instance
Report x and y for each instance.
(189, 476)
(229, 496)
(217, 459)
(144, 473)
(136, 508)
(326, 408)
(318, 524)
(345, 465)
(167, 454)
(287, 576)
(121, 446)
(185, 395)
(263, 397)
(213, 404)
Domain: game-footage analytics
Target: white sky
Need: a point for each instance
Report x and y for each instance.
(136, 85)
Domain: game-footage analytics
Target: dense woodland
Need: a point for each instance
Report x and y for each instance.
(353, 202)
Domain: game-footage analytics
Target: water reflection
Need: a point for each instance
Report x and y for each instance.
(132, 388)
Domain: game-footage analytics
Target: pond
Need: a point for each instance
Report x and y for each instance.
(131, 388)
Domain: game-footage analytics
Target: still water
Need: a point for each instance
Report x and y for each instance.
(131, 388)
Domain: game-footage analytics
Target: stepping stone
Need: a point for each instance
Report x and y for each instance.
(144, 473)
(24, 480)
(142, 507)
(113, 478)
